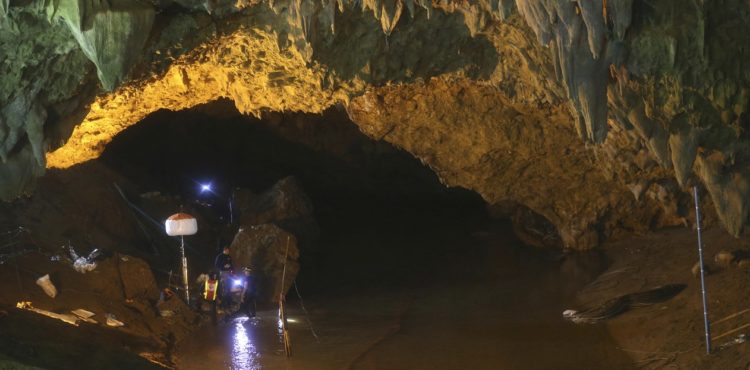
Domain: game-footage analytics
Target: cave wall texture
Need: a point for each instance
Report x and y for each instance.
(597, 115)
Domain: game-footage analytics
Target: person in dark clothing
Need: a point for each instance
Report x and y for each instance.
(248, 295)
(223, 261)
(223, 264)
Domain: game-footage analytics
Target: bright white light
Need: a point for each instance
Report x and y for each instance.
(205, 187)
(237, 282)
(289, 319)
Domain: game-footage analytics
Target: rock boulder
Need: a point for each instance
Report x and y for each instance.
(285, 204)
(263, 248)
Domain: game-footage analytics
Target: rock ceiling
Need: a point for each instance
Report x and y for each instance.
(597, 115)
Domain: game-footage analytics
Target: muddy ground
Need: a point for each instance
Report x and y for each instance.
(670, 335)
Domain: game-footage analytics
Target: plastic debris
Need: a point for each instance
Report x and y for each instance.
(166, 313)
(615, 306)
(85, 315)
(742, 338)
(55, 258)
(47, 285)
(70, 319)
(112, 320)
(84, 264)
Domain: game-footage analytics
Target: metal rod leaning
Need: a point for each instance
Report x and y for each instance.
(282, 308)
(706, 323)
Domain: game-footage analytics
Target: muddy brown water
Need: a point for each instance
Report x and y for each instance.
(453, 299)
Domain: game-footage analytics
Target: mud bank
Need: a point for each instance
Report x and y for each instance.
(671, 334)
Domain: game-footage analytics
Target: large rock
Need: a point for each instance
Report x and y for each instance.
(137, 279)
(264, 248)
(285, 205)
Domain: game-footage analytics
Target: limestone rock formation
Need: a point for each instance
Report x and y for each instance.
(272, 254)
(658, 91)
(285, 205)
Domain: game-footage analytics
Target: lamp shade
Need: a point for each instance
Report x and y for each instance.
(181, 224)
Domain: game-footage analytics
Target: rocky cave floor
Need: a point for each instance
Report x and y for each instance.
(666, 335)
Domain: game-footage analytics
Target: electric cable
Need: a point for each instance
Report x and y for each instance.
(307, 314)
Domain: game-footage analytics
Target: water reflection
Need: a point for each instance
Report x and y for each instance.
(245, 355)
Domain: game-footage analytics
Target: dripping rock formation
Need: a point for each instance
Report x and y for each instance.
(595, 115)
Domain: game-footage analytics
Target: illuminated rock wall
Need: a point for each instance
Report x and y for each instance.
(487, 93)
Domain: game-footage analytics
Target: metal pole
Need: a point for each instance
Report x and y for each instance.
(231, 213)
(703, 280)
(184, 270)
(282, 307)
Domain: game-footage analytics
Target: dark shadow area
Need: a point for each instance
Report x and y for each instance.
(175, 152)
(351, 179)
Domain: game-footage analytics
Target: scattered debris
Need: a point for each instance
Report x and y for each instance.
(84, 264)
(47, 285)
(112, 320)
(618, 305)
(85, 315)
(742, 338)
(70, 319)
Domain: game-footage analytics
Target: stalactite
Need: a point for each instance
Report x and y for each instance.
(580, 65)
(111, 34)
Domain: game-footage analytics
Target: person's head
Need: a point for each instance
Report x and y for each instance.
(226, 250)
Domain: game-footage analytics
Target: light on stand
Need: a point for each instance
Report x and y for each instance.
(181, 224)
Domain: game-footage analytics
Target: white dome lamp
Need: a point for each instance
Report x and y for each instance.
(181, 224)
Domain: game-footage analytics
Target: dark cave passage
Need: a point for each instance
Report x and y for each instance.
(396, 249)
(175, 151)
(356, 184)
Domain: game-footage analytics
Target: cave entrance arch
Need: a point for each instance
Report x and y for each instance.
(356, 184)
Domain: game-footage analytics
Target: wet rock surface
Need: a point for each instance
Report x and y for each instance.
(272, 254)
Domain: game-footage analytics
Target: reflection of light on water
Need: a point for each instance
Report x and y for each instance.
(245, 355)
